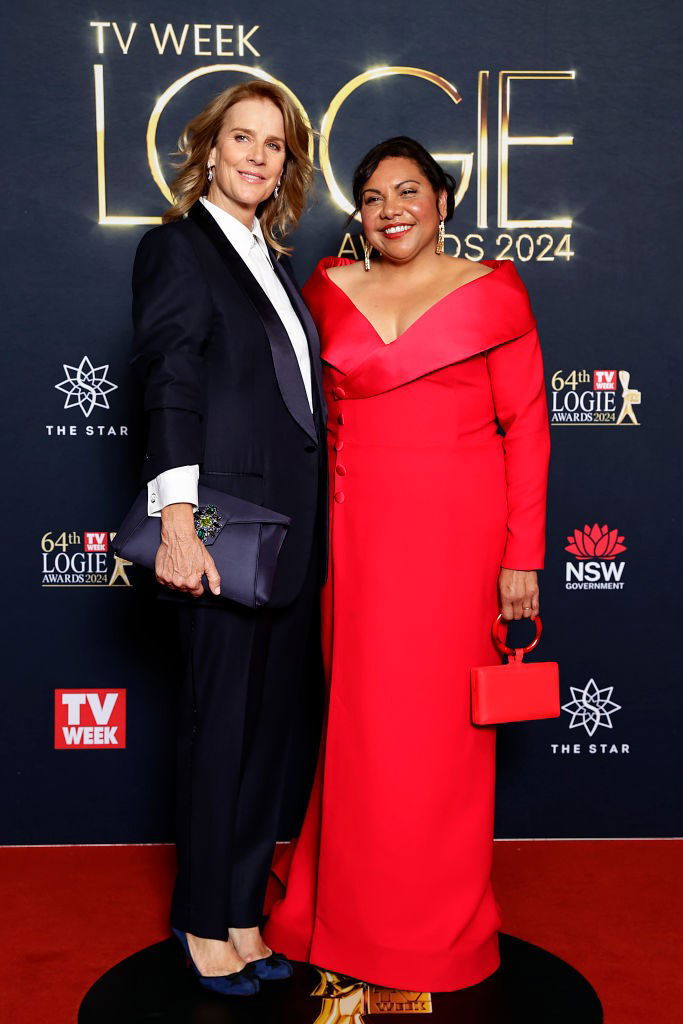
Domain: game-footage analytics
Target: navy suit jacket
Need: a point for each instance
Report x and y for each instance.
(222, 385)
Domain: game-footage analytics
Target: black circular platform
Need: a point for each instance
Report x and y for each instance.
(154, 987)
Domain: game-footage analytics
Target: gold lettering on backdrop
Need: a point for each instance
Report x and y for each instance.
(169, 33)
(474, 247)
(464, 159)
(221, 41)
(117, 32)
(180, 83)
(200, 40)
(505, 140)
(482, 149)
(243, 40)
(542, 247)
(101, 25)
(348, 246)
(104, 217)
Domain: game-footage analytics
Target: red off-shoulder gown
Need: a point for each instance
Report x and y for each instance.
(390, 879)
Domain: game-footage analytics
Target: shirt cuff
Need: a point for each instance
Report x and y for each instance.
(173, 486)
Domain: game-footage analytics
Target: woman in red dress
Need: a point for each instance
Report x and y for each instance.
(437, 522)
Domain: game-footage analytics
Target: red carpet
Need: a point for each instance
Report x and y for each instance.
(611, 909)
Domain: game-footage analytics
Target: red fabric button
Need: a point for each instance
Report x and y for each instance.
(339, 393)
(339, 496)
(338, 445)
(340, 419)
(341, 470)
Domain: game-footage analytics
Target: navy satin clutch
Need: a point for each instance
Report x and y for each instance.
(245, 541)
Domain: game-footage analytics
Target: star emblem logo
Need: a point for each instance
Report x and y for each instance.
(86, 386)
(591, 707)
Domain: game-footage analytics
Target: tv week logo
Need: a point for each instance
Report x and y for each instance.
(90, 719)
(95, 541)
(604, 380)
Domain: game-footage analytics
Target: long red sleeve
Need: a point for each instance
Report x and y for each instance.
(517, 384)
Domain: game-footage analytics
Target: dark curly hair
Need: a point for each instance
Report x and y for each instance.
(402, 145)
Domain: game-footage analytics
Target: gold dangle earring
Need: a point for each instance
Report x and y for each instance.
(367, 249)
(441, 237)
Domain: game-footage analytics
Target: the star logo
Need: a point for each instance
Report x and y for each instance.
(591, 707)
(86, 386)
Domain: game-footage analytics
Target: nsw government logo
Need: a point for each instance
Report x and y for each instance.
(86, 388)
(591, 709)
(593, 398)
(72, 559)
(595, 549)
(90, 719)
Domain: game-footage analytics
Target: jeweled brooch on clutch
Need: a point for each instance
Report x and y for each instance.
(207, 522)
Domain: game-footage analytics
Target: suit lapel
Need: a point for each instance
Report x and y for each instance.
(286, 367)
(307, 322)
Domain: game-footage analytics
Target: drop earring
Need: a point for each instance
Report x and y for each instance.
(440, 238)
(276, 190)
(367, 250)
(209, 174)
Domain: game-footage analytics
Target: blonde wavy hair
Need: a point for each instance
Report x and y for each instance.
(277, 216)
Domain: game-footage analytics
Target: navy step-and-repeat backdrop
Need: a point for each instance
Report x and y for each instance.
(559, 121)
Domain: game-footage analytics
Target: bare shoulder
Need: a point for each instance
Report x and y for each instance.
(347, 273)
(462, 270)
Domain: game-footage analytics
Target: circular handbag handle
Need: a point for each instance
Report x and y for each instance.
(500, 640)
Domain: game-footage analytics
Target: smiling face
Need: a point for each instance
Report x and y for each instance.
(248, 157)
(400, 210)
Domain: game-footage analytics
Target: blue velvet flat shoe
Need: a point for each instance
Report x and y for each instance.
(272, 968)
(241, 983)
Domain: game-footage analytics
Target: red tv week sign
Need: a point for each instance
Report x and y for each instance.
(90, 719)
(93, 541)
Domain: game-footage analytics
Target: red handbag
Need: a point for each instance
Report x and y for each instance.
(518, 691)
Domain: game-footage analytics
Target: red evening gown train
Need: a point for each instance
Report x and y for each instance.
(390, 879)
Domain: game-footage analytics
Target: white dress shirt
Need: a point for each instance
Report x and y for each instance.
(180, 484)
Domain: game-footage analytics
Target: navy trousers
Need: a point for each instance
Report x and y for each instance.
(248, 731)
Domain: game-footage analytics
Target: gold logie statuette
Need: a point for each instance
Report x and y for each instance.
(345, 1001)
(629, 398)
(119, 570)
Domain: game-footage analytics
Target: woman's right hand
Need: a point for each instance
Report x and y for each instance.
(182, 559)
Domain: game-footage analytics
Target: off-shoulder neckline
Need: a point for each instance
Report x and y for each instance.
(337, 261)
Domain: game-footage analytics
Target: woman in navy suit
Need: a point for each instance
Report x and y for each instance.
(229, 359)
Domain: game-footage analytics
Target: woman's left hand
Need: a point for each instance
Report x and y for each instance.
(518, 589)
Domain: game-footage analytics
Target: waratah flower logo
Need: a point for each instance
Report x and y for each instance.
(86, 386)
(595, 542)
